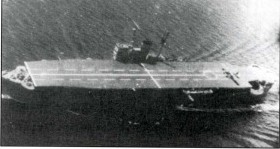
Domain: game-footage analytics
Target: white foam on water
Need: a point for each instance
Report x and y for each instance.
(5, 96)
(270, 107)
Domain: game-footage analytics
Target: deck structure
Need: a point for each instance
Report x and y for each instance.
(109, 74)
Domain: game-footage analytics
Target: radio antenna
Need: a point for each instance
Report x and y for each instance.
(162, 43)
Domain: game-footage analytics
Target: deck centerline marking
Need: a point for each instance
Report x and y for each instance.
(87, 70)
(58, 79)
(150, 75)
(184, 79)
(92, 79)
(224, 78)
(125, 79)
(104, 70)
(119, 70)
(133, 70)
(70, 69)
(170, 79)
(177, 70)
(75, 79)
(140, 79)
(52, 69)
(109, 79)
(119, 75)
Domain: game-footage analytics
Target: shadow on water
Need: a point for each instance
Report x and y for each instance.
(30, 126)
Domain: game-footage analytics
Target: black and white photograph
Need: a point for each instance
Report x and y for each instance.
(140, 73)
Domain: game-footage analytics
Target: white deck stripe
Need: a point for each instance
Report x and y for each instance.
(70, 69)
(122, 75)
(87, 69)
(134, 70)
(214, 72)
(125, 79)
(52, 69)
(181, 79)
(150, 75)
(75, 79)
(92, 79)
(170, 79)
(28, 69)
(177, 70)
(104, 70)
(109, 79)
(223, 79)
(140, 79)
(58, 79)
(119, 70)
(184, 79)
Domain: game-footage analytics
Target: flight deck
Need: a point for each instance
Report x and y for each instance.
(110, 74)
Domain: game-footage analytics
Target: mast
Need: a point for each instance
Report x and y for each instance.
(163, 43)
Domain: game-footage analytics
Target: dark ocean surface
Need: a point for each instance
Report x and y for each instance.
(241, 32)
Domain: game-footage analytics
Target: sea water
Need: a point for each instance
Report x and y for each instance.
(241, 32)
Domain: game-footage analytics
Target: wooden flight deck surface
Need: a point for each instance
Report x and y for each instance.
(110, 74)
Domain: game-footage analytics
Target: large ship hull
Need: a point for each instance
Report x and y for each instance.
(189, 97)
(134, 88)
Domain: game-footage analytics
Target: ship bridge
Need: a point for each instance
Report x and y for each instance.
(110, 74)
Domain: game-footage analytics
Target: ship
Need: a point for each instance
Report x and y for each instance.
(136, 81)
